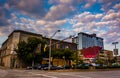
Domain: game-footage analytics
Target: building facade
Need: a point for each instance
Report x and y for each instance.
(88, 40)
(8, 57)
(58, 44)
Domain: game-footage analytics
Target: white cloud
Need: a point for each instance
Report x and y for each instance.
(89, 3)
(111, 16)
(58, 12)
(78, 24)
(107, 4)
(66, 1)
(41, 22)
(117, 6)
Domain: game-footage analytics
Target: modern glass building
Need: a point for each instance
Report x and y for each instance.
(88, 40)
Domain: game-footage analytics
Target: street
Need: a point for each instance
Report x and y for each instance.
(12, 73)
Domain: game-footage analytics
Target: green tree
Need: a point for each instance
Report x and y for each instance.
(66, 53)
(26, 51)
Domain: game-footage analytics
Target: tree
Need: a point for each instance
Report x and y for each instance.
(66, 53)
(26, 51)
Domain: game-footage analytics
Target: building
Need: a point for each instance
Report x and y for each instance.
(89, 44)
(118, 59)
(88, 40)
(8, 57)
(109, 54)
(7, 49)
(58, 44)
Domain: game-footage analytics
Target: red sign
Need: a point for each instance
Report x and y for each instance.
(91, 52)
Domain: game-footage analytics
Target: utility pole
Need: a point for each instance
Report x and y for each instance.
(115, 50)
(50, 47)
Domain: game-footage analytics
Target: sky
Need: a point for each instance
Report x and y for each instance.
(70, 16)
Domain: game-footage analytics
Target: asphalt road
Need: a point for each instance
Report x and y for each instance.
(57, 74)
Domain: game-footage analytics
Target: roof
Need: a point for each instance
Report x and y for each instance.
(22, 32)
(92, 35)
(61, 41)
(25, 32)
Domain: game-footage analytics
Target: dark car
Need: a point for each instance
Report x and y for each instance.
(33, 67)
(59, 67)
(83, 66)
(43, 66)
(66, 67)
(51, 68)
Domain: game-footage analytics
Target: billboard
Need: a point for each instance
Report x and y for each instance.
(91, 52)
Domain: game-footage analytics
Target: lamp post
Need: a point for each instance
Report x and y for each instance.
(50, 47)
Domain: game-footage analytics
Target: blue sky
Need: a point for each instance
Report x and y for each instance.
(71, 16)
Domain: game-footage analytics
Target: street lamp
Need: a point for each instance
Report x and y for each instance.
(50, 47)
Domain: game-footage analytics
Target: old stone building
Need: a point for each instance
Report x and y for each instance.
(8, 57)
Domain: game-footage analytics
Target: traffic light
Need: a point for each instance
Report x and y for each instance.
(45, 48)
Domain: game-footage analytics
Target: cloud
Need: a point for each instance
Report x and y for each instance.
(5, 31)
(29, 7)
(89, 3)
(87, 17)
(117, 6)
(4, 16)
(38, 26)
(67, 2)
(111, 16)
(107, 4)
(62, 8)
(58, 12)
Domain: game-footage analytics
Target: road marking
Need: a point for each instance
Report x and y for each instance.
(44, 75)
(81, 76)
(78, 76)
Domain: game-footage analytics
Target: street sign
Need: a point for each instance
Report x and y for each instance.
(115, 51)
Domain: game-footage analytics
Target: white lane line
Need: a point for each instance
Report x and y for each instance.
(78, 76)
(81, 76)
(44, 75)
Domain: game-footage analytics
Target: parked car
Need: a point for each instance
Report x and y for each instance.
(66, 67)
(51, 68)
(29, 67)
(38, 66)
(83, 66)
(59, 67)
(44, 66)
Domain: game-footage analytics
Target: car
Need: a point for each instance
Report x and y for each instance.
(66, 67)
(59, 67)
(51, 68)
(38, 66)
(44, 66)
(29, 67)
(83, 66)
